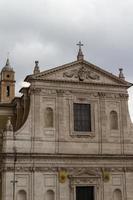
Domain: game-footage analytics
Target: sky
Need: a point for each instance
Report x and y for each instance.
(48, 31)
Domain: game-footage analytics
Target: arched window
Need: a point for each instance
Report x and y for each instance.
(48, 117)
(21, 195)
(8, 91)
(113, 120)
(50, 195)
(117, 195)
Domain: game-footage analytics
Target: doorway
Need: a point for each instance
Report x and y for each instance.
(85, 193)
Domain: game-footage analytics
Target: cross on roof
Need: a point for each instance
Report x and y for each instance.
(80, 44)
(80, 55)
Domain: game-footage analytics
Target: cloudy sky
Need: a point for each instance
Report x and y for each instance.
(48, 30)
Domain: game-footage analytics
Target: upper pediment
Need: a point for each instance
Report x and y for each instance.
(80, 71)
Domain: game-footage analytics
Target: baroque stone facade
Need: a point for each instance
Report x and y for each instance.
(48, 155)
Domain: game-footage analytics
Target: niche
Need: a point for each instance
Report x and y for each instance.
(50, 195)
(113, 120)
(117, 195)
(48, 118)
(22, 195)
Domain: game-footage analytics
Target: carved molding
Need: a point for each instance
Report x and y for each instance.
(112, 95)
(82, 135)
(101, 94)
(84, 172)
(61, 92)
(82, 73)
(84, 181)
(73, 172)
(48, 92)
(85, 176)
(30, 169)
(36, 91)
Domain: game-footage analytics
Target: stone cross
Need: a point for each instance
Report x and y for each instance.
(80, 55)
(80, 44)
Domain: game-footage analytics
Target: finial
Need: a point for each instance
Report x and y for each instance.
(36, 68)
(80, 55)
(121, 75)
(8, 62)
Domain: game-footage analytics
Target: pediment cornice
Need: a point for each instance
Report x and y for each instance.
(79, 71)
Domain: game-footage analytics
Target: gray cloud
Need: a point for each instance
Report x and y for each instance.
(48, 30)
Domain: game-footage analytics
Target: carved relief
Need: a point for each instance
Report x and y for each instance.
(48, 92)
(84, 181)
(36, 91)
(112, 96)
(104, 95)
(82, 73)
(72, 171)
(101, 94)
(84, 172)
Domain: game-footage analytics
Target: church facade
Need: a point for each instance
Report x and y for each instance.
(68, 137)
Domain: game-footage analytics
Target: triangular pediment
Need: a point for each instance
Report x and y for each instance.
(80, 71)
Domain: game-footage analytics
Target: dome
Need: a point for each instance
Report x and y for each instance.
(7, 66)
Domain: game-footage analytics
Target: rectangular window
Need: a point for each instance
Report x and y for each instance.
(82, 117)
(85, 193)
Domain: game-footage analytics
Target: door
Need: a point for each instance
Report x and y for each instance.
(85, 193)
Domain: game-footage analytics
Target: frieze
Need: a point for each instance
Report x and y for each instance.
(101, 94)
(48, 92)
(57, 92)
(84, 172)
(123, 96)
(82, 73)
(34, 90)
(61, 92)
(73, 172)
(30, 169)
(112, 95)
(85, 181)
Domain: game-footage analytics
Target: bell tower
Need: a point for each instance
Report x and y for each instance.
(7, 83)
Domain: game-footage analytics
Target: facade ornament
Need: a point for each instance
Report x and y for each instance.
(82, 74)
(121, 75)
(9, 126)
(36, 68)
(101, 94)
(72, 172)
(35, 91)
(80, 55)
(62, 175)
(86, 135)
(124, 96)
(84, 172)
(105, 175)
(60, 92)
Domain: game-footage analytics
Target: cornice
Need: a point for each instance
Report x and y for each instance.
(66, 66)
(67, 156)
(81, 83)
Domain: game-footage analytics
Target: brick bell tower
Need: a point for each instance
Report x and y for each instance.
(7, 83)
